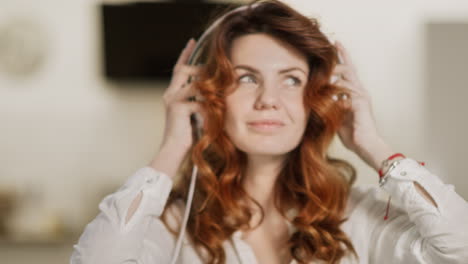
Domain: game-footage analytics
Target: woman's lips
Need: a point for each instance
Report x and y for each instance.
(266, 125)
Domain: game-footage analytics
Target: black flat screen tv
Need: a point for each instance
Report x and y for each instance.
(142, 40)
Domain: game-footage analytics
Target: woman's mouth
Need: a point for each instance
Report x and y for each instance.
(265, 125)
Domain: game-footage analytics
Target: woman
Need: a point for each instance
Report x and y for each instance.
(267, 192)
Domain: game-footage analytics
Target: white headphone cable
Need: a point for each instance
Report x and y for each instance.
(186, 215)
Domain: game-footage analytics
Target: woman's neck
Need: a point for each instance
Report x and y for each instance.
(260, 177)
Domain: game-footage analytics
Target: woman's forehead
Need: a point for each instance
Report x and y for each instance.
(263, 52)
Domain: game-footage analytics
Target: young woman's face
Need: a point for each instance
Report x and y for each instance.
(265, 112)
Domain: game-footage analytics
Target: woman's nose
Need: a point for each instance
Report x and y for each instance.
(268, 97)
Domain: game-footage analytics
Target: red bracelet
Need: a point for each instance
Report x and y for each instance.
(387, 160)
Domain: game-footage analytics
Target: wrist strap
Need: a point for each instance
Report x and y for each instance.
(382, 180)
(386, 161)
(381, 174)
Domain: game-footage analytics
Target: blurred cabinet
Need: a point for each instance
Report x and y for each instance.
(35, 252)
(447, 102)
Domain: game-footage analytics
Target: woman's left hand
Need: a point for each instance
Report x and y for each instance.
(358, 131)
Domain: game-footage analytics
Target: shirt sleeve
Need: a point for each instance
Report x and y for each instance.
(107, 238)
(417, 231)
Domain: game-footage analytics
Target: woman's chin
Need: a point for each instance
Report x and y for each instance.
(273, 146)
(266, 150)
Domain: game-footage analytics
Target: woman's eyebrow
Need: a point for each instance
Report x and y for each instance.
(245, 67)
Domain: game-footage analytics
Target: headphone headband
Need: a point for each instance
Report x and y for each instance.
(196, 52)
(201, 41)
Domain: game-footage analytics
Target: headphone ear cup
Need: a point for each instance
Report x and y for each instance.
(333, 79)
(198, 124)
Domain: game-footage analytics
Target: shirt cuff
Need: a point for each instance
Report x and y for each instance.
(400, 185)
(156, 187)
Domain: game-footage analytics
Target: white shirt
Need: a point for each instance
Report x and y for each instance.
(416, 231)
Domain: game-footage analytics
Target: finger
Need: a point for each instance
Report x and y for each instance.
(350, 86)
(181, 94)
(188, 93)
(345, 72)
(180, 78)
(354, 86)
(182, 75)
(345, 57)
(342, 71)
(193, 107)
(344, 83)
(183, 109)
(355, 91)
(190, 48)
(186, 52)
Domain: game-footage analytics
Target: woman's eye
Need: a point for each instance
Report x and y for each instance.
(290, 81)
(247, 78)
(293, 81)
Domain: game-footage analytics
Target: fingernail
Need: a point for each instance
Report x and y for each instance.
(339, 45)
(188, 43)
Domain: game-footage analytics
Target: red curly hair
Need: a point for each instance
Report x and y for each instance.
(311, 182)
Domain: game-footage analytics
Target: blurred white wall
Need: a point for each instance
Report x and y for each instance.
(447, 89)
(73, 136)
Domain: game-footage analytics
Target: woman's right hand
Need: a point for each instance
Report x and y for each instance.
(177, 138)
